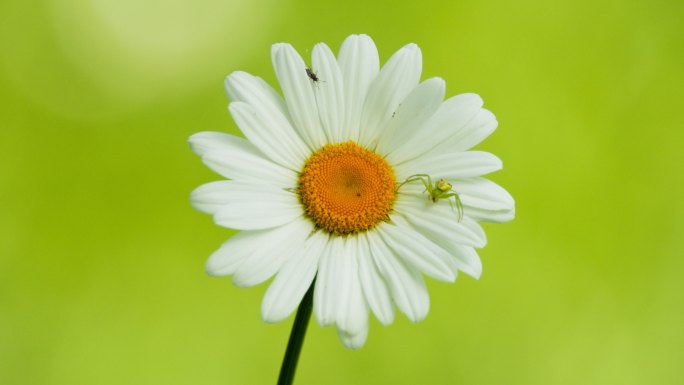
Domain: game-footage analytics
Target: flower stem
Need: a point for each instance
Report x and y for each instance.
(294, 345)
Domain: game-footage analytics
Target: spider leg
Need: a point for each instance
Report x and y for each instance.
(428, 185)
(416, 177)
(459, 204)
(413, 178)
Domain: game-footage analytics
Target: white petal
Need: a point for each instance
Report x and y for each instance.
(411, 113)
(227, 259)
(253, 90)
(450, 166)
(439, 217)
(209, 198)
(465, 257)
(257, 215)
(484, 194)
(396, 79)
(460, 257)
(330, 282)
(492, 205)
(245, 205)
(292, 281)
(346, 274)
(352, 310)
(329, 91)
(493, 216)
(274, 248)
(451, 117)
(212, 197)
(204, 142)
(271, 137)
(418, 252)
(272, 112)
(237, 158)
(359, 64)
(406, 284)
(299, 96)
(468, 260)
(471, 134)
(354, 340)
(374, 286)
(475, 228)
(482, 199)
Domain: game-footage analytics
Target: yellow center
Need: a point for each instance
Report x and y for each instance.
(346, 189)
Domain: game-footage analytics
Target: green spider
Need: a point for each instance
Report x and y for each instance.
(442, 189)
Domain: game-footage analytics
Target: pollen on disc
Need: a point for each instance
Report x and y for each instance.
(346, 188)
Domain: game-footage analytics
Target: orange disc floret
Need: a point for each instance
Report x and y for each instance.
(346, 188)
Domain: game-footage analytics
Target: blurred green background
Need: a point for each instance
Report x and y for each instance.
(101, 256)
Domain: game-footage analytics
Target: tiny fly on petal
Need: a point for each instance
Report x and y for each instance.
(312, 75)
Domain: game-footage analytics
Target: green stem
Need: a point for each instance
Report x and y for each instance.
(294, 345)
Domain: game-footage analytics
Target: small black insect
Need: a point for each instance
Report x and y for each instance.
(312, 75)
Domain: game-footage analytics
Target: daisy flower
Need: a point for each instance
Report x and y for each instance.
(359, 177)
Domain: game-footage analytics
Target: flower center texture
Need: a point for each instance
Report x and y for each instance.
(346, 188)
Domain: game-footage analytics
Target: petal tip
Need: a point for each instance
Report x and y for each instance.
(353, 341)
(213, 268)
(269, 316)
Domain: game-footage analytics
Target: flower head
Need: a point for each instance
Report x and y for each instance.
(359, 176)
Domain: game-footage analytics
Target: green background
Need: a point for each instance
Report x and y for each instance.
(101, 256)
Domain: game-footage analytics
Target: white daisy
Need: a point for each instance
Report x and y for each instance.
(331, 183)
